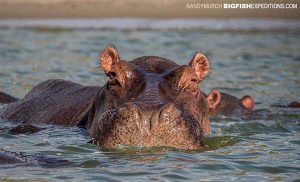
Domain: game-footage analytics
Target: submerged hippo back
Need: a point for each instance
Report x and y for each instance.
(5, 98)
(52, 102)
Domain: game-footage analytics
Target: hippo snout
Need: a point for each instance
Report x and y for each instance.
(131, 124)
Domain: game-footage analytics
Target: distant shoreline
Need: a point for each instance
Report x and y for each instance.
(167, 9)
(206, 24)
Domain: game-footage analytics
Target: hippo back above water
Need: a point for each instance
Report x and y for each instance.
(150, 101)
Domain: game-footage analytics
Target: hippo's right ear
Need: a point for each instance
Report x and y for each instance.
(200, 65)
(109, 57)
(248, 102)
(213, 99)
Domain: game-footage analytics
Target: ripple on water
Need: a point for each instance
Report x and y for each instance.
(252, 128)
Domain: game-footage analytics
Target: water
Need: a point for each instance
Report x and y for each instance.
(256, 57)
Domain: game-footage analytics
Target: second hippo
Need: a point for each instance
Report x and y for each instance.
(228, 105)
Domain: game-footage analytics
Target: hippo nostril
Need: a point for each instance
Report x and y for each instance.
(169, 111)
(169, 108)
(132, 109)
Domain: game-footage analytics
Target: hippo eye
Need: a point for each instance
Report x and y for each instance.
(113, 81)
(112, 75)
(194, 80)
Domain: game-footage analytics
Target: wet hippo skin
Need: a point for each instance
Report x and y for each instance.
(150, 101)
(293, 104)
(24, 129)
(5, 98)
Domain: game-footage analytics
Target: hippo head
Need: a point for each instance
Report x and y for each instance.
(150, 101)
(229, 105)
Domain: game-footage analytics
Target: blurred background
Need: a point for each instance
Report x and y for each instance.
(139, 8)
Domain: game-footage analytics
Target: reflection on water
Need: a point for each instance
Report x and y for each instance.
(262, 63)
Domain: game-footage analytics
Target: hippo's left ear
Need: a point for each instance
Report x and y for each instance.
(248, 102)
(109, 57)
(213, 99)
(200, 64)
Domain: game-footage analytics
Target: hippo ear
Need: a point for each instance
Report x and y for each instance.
(200, 64)
(248, 102)
(109, 57)
(213, 99)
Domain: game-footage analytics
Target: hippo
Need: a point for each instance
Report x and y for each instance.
(5, 98)
(149, 101)
(229, 105)
(293, 104)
